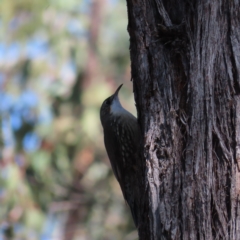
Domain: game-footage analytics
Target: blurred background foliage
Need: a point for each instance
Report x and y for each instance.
(58, 61)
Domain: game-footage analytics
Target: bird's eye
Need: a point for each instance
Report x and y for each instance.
(108, 101)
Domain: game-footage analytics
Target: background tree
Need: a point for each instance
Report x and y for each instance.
(58, 61)
(186, 73)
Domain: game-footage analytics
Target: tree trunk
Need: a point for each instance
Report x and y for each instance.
(186, 74)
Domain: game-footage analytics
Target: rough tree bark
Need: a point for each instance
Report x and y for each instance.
(185, 59)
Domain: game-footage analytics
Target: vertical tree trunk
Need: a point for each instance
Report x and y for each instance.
(186, 74)
(91, 71)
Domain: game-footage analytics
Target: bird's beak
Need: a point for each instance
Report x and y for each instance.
(116, 92)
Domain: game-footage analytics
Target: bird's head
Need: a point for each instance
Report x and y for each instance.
(111, 106)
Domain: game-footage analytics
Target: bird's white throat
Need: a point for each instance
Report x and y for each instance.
(116, 107)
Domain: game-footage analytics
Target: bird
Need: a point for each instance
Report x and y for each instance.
(122, 140)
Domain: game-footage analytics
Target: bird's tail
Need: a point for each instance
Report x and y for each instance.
(134, 209)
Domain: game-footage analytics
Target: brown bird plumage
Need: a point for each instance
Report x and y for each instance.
(122, 140)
